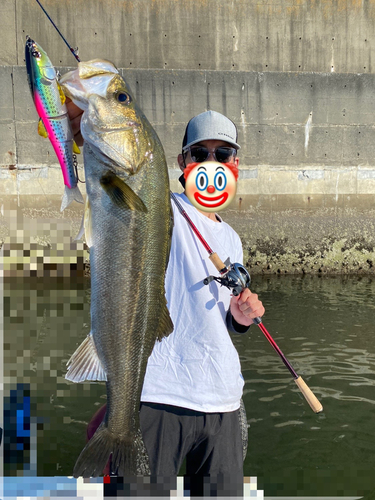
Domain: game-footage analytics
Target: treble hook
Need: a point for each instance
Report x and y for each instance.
(75, 165)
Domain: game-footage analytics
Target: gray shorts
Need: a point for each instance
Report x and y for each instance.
(210, 442)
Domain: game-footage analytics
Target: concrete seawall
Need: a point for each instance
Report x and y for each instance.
(306, 192)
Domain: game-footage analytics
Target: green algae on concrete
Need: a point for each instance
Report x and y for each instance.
(299, 242)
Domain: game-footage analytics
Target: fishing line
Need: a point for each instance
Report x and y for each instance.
(73, 51)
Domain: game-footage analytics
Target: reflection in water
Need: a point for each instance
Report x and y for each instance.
(324, 326)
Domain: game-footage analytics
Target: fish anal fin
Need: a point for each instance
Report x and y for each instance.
(85, 364)
(165, 326)
(120, 193)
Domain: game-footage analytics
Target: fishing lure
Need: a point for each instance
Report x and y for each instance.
(54, 122)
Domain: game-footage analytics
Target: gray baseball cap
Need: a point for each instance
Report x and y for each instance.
(208, 126)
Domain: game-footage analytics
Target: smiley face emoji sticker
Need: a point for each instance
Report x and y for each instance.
(211, 186)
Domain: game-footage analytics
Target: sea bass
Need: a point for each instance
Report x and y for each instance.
(128, 224)
(54, 122)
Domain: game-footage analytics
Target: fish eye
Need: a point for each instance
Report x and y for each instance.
(123, 98)
(49, 72)
(201, 181)
(220, 181)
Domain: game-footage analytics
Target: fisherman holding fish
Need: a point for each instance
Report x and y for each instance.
(193, 384)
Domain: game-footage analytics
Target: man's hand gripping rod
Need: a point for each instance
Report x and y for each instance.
(236, 277)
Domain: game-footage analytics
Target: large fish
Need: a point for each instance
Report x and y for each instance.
(54, 122)
(128, 226)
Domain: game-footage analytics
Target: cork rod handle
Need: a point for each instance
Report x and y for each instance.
(217, 262)
(310, 397)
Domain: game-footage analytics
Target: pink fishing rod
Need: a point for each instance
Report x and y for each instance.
(224, 270)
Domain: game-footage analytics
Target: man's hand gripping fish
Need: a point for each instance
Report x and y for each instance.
(128, 225)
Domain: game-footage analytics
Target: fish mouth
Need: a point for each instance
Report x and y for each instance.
(32, 47)
(211, 202)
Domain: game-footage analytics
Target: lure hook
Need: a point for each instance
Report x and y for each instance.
(75, 165)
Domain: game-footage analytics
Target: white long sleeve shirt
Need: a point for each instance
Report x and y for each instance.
(197, 365)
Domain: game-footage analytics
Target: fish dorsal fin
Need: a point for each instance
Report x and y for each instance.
(87, 223)
(120, 193)
(42, 129)
(165, 326)
(85, 363)
(81, 231)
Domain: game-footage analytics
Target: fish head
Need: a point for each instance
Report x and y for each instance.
(40, 70)
(112, 122)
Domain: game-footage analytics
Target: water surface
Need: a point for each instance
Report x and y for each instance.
(325, 327)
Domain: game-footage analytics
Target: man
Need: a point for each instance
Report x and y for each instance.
(193, 383)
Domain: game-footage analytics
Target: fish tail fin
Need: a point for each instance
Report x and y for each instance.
(94, 456)
(69, 196)
(129, 455)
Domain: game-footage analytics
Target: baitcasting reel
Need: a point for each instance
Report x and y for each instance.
(236, 278)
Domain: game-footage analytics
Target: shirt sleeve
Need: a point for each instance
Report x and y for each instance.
(233, 326)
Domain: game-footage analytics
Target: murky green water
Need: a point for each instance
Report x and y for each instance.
(325, 327)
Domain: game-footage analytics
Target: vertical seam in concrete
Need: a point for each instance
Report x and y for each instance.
(15, 135)
(307, 131)
(14, 118)
(15, 24)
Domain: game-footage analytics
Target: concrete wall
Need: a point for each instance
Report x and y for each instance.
(295, 76)
(307, 138)
(223, 35)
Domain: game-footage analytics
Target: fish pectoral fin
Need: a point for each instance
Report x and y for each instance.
(42, 129)
(120, 193)
(85, 364)
(165, 326)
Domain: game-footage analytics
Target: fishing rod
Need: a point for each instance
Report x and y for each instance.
(237, 278)
(73, 51)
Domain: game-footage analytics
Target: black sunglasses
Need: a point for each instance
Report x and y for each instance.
(221, 154)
